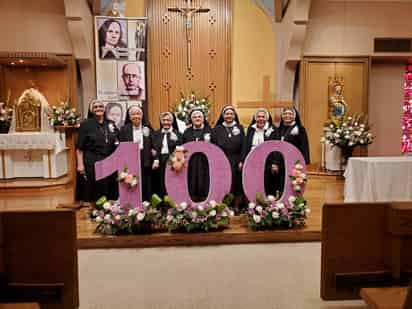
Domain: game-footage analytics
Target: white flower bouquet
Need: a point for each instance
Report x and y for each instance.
(347, 132)
(64, 115)
(189, 102)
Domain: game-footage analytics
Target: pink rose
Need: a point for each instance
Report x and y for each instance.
(128, 179)
(296, 173)
(177, 166)
(299, 180)
(179, 155)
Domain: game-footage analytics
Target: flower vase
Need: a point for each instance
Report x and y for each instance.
(4, 127)
(333, 157)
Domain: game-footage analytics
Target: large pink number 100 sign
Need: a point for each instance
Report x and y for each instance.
(128, 155)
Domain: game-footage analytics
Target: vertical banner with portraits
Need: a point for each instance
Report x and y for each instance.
(120, 64)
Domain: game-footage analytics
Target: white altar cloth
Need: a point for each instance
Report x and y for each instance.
(378, 179)
(30, 141)
(29, 154)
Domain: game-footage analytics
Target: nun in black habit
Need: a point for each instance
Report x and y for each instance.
(138, 131)
(165, 141)
(98, 138)
(229, 136)
(260, 130)
(198, 166)
(292, 131)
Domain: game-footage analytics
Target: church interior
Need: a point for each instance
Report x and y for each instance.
(335, 233)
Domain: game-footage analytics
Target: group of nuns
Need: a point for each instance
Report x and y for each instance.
(98, 138)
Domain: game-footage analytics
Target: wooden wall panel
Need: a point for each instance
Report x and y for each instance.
(211, 55)
(314, 93)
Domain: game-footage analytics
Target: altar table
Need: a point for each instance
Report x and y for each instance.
(378, 179)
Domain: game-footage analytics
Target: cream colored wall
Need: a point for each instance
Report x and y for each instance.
(253, 54)
(34, 26)
(385, 108)
(135, 8)
(347, 28)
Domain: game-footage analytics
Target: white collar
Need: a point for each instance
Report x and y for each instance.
(170, 130)
(229, 125)
(264, 128)
(289, 125)
(137, 128)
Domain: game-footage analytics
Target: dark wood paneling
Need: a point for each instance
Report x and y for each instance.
(40, 248)
(364, 245)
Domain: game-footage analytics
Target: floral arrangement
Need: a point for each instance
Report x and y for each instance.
(129, 179)
(298, 178)
(268, 213)
(189, 102)
(112, 218)
(177, 160)
(201, 217)
(64, 115)
(6, 115)
(347, 132)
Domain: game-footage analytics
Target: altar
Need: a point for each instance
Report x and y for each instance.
(378, 179)
(33, 155)
(32, 148)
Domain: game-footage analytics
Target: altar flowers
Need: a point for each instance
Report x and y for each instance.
(112, 218)
(200, 217)
(347, 132)
(191, 101)
(64, 115)
(6, 115)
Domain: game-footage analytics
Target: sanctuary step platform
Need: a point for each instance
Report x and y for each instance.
(237, 233)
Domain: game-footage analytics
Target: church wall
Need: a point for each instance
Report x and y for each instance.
(253, 50)
(34, 26)
(253, 54)
(135, 8)
(385, 108)
(337, 28)
(348, 28)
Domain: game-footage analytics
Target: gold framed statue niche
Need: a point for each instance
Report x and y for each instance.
(28, 114)
(337, 107)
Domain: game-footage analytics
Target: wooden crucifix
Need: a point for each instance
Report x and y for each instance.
(188, 13)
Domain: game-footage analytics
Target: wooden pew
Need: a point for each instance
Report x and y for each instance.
(38, 258)
(365, 245)
(385, 298)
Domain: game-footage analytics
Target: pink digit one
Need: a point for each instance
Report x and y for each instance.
(254, 168)
(219, 173)
(126, 155)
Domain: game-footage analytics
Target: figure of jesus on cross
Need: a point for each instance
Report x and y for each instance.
(188, 13)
